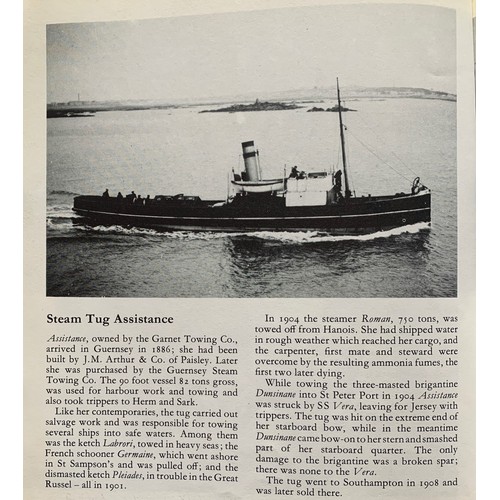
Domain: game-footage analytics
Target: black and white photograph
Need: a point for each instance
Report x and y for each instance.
(290, 152)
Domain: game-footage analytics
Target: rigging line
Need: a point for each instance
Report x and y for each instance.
(346, 136)
(381, 159)
(336, 163)
(385, 143)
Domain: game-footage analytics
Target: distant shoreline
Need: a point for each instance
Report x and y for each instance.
(275, 101)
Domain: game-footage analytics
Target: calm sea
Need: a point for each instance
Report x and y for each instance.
(389, 142)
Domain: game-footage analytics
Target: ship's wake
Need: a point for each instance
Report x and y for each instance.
(317, 236)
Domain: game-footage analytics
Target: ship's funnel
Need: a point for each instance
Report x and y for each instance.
(251, 158)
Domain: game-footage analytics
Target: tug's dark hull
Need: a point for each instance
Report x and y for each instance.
(259, 213)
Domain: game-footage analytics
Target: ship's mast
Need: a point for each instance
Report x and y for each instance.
(342, 141)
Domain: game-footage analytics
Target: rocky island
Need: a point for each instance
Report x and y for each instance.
(256, 106)
(333, 109)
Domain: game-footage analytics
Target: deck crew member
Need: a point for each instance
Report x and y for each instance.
(338, 179)
(106, 193)
(337, 188)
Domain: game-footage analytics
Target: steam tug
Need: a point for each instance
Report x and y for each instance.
(314, 201)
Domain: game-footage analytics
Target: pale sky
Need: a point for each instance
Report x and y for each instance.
(251, 52)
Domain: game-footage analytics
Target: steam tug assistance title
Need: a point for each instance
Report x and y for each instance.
(92, 318)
